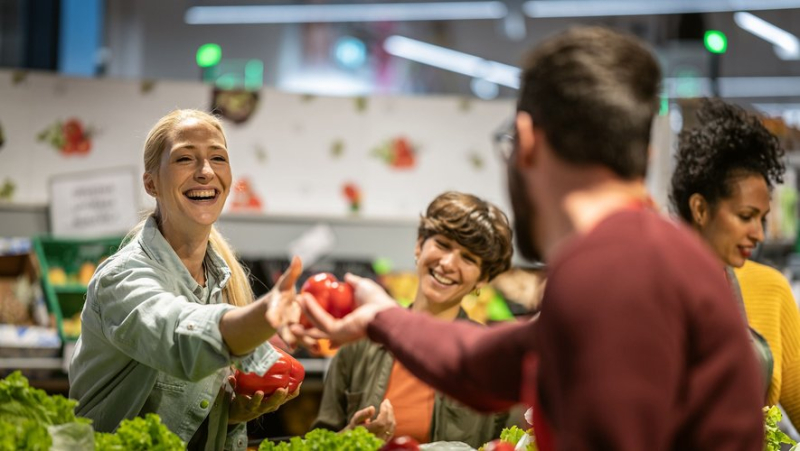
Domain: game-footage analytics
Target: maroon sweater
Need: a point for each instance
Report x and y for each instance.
(640, 346)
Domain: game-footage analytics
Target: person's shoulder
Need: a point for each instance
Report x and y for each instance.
(758, 271)
(131, 257)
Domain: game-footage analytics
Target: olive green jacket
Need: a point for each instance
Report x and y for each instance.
(358, 377)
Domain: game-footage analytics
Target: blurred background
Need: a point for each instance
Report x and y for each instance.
(346, 118)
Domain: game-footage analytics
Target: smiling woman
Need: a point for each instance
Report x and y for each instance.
(725, 171)
(463, 242)
(171, 312)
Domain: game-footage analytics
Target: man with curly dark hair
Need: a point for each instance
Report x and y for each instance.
(726, 168)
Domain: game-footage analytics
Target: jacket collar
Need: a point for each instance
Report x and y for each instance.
(154, 243)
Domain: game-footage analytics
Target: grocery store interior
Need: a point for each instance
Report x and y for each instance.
(344, 119)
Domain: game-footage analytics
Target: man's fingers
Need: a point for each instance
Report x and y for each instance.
(317, 315)
(289, 277)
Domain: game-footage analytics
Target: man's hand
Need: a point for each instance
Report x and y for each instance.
(382, 427)
(370, 300)
(245, 408)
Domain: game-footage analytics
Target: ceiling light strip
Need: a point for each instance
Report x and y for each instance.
(454, 61)
(593, 8)
(261, 14)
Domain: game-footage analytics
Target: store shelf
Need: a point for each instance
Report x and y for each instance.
(315, 366)
(31, 363)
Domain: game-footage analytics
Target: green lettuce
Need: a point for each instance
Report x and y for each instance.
(358, 439)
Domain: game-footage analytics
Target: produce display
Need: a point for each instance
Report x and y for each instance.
(334, 296)
(512, 438)
(286, 372)
(26, 413)
(774, 437)
(401, 443)
(358, 439)
(32, 420)
(139, 434)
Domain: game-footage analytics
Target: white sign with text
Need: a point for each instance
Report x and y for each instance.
(92, 204)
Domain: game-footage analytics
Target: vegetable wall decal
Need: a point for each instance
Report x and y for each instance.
(70, 137)
(398, 153)
(244, 197)
(337, 149)
(352, 193)
(7, 189)
(475, 160)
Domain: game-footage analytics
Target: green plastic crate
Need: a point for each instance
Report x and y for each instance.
(65, 298)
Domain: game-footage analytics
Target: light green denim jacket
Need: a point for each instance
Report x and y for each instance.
(150, 342)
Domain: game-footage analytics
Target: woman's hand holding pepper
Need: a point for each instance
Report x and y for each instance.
(245, 408)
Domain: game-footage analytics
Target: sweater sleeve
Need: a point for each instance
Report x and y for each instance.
(479, 366)
(790, 338)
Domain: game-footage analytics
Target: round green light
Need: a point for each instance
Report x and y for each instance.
(715, 41)
(208, 55)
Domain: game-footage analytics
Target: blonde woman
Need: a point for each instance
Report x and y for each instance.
(169, 314)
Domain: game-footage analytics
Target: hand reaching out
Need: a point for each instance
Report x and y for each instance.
(282, 310)
(370, 300)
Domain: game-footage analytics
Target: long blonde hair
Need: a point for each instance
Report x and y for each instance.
(237, 291)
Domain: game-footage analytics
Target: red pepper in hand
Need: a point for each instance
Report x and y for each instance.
(333, 296)
(297, 373)
(286, 372)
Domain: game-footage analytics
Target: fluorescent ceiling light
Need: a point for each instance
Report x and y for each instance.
(787, 46)
(345, 12)
(593, 8)
(451, 60)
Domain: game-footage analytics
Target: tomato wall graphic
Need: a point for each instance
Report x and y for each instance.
(70, 137)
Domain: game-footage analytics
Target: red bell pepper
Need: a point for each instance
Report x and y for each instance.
(332, 295)
(286, 372)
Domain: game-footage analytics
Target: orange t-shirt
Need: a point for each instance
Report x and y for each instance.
(412, 401)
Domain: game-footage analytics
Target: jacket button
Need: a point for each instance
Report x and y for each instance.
(190, 327)
(203, 404)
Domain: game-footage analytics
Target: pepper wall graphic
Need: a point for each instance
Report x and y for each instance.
(398, 153)
(295, 151)
(69, 137)
(352, 193)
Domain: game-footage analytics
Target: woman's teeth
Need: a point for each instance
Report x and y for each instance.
(441, 279)
(201, 193)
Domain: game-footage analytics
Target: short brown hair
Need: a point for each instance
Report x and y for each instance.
(474, 223)
(594, 92)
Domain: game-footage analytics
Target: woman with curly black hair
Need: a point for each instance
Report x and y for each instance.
(726, 169)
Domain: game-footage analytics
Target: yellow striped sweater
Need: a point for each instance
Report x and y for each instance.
(772, 312)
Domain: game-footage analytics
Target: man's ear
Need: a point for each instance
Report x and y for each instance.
(701, 213)
(149, 184)
(526, 140)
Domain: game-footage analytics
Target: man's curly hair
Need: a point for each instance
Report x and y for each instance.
(729, 143)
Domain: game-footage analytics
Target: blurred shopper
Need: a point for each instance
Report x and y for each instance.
(169, 314)
(726, 168)
(639, 344)
(463, 242)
